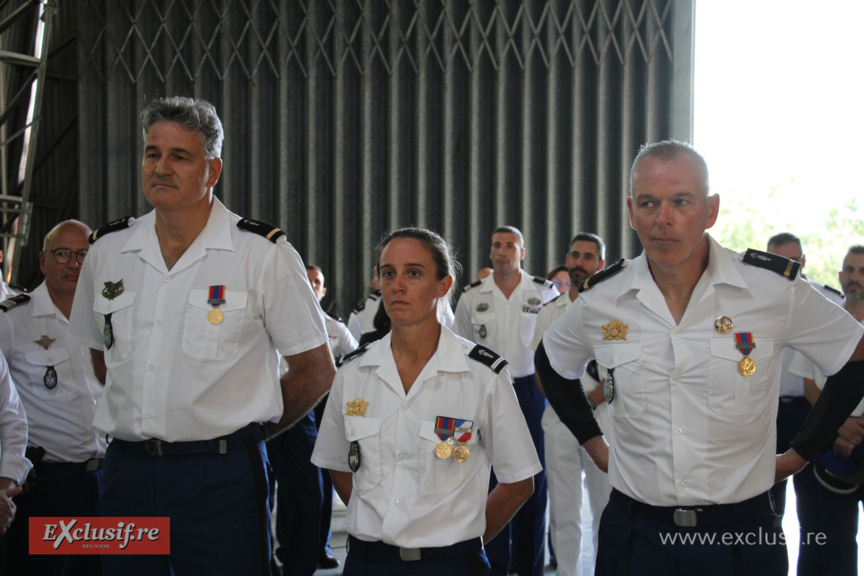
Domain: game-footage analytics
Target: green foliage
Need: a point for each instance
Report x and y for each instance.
(748, 219)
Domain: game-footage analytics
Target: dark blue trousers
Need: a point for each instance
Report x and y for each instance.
(527, 529)
(633, 543)
(362, 561)
(65, 490)
(217, 505)
(839, 523)
(298, 498)
(791, 413)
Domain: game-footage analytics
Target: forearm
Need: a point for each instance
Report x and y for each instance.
(503, 503)
(343, 483)
(99, 367)
(309, 377)
(567, 399)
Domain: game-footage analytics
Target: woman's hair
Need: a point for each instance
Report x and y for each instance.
(445, 263)
(554, 272)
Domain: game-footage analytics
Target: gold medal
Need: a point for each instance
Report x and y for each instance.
(443, 450)
(746, 366)
(215, 316)
(461, 454)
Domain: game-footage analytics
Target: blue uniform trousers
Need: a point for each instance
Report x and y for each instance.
(217, 503)
(791, 413)
(743, 539)
(378, 559)
(839, 523)
(298, 498)
(64, 490)
(526, 530)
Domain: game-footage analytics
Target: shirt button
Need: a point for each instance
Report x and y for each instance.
(682, 485)
(150, 367)
(403, 408)
(352, 432)
(679, 430)
(674, 378)
(146, 413)
(675, 333)
(167, 279)
(158, 322)
(401, 456)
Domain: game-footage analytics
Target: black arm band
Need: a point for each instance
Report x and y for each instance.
(841, 394)
(567, 399)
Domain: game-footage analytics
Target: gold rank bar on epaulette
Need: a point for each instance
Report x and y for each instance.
(601, 275)
(783, 266)
(268, 231)
(113, 226)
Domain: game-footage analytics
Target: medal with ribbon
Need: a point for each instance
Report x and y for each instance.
(744, 342)
(444, 429)
(217, 297)
(462, 433)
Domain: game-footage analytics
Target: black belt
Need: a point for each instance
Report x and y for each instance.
(384, 551)
(154, 447)
(755, 511)
(91, 465)
(792, 400)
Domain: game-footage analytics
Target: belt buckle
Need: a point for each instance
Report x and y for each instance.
(92, 465)
(154, 447)
(684, 517)
(409, 554)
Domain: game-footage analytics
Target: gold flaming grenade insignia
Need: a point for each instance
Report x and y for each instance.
(615, 330)
(356, 407)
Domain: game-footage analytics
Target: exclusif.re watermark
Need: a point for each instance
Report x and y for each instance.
(100, 535)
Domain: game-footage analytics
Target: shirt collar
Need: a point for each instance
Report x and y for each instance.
(216, 234)
(42, 303)
(449, 357)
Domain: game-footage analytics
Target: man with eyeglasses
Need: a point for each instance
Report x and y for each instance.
(566, 460)
(59, 391)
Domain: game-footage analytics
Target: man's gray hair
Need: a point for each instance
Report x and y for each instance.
(665, 151)
(198, 116)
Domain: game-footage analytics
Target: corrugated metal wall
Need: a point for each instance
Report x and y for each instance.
(345, 119)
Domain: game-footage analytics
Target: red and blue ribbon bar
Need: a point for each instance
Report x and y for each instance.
(744, 342)
(444, 427)
(217, 295)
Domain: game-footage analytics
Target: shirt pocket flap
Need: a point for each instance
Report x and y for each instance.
(427, 431)
(359, 427)
(47, 357)
(725, 348)
(105, 306)
(233, 300)
(615, 355)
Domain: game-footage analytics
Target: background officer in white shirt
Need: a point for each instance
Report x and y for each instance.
(55, 379)
(185, 308)
(412, 425)
(500, 312)
(14, 466)
(566, 461)
(688, 338)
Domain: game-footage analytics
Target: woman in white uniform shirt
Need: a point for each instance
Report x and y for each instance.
(414, 422)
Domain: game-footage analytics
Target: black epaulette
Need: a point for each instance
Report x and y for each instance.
(22, 289)
(601, 275)
(592, 370)
(783, 266)
(7, 305)
(268, 231)
(541, 280)
(333, 316)
(472, 285)
(825, 286)
(488, 357)
(113, 226)
(356, 353)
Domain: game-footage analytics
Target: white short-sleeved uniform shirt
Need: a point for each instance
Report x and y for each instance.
(341, 340)
(485, 316)
(790, 383)
(13, 429)
(34, 340)
(403, 494)
(686, 427)
(552, 311)
(172, 374)
(361, 319)
(802, 367)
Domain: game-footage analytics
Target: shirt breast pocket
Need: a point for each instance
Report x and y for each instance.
(42, 361)
(729, 391)
(122, 318)
(367, 433)
(628, 382)
(484, 326)
(442, 475)
(204, 340)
